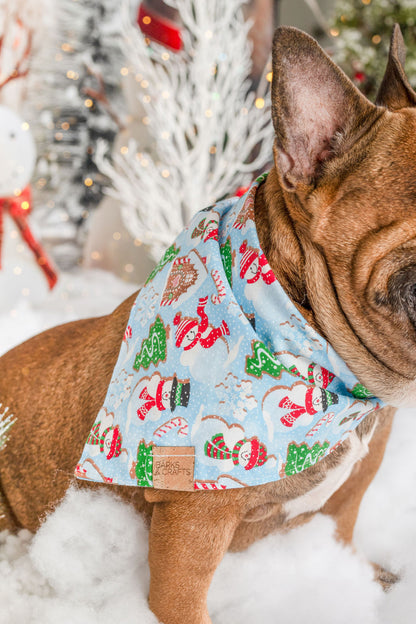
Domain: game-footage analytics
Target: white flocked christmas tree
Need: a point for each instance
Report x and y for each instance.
(208, 131)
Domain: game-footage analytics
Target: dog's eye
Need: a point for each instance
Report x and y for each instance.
(402, 292)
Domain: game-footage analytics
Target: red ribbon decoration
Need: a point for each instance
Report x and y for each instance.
(19, 208)
(159, 28)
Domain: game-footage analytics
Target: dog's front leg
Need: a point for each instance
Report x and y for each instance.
(189, 534)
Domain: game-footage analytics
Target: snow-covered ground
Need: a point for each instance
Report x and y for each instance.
(87, 563)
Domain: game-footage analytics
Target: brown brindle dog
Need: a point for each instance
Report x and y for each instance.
(336, 219)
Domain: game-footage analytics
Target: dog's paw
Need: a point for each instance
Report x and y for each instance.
(384, 577)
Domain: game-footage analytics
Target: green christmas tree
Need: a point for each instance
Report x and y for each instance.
(263, 361)
(169, 255)
(361, 30)
(227, 260)
(301, 456)
(153, 348)
(144, 466)
(360, 392)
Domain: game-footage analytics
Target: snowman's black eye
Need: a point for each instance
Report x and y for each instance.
(12, 135)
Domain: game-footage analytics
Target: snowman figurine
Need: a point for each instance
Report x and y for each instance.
(17, 162)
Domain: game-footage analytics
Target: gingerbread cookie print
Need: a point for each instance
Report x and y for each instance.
(185, 277)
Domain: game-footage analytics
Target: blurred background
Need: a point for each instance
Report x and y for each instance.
(119, 120)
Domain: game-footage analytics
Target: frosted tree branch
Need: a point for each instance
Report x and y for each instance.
(208, 135)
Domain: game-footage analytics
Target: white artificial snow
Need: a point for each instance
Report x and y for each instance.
(87, 563)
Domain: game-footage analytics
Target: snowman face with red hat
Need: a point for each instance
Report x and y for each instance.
(111, 445)
(189, 337)
(244, 456)
(252, 270)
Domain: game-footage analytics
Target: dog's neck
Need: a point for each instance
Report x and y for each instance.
(280, 243)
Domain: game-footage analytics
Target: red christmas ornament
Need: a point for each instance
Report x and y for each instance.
(159, 28)
(19, 208)
(241, 190)
(359, 77)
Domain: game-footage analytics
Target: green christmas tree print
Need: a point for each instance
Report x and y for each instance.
(263, 361)
(169, 255)
(227, 260)
(300, 457)
(154, 347)
(360, 392)
(144, 466)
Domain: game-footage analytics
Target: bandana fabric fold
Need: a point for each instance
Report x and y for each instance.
(220, 382)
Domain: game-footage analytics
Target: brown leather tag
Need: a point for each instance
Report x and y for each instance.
(173, 467)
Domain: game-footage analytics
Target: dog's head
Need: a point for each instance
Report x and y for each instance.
(347, 168)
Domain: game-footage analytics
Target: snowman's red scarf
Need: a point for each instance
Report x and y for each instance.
(19, 208)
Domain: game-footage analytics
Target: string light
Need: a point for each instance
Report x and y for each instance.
(25, 205)
(17, 192)
(129, 268)
(95, 255)
(147, 19)
(25, 126)
(212, 149)
(124, 149)
(165, 56)
(146, 121)
(144, 84)
(165, 173)
(116, 235)
(124, 71)
(88, 182)
(59, 136)
(366, 1)
(66, 47)
(65, 125)
(334, 32)
(88, 102)
(146, 99)
(208, 112)
(137, 242)
(269, 76)
(376, 39)
(259, 103)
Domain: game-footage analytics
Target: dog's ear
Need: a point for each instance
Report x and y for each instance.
(395, 91)
(314, 107)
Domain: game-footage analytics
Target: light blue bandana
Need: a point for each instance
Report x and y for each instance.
(220, 382)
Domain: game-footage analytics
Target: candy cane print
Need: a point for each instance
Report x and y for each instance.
(208, 485)
(219, 285)
(178, 421)
(327, 418)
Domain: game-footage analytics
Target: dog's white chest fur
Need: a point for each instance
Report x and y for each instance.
(317, 496)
